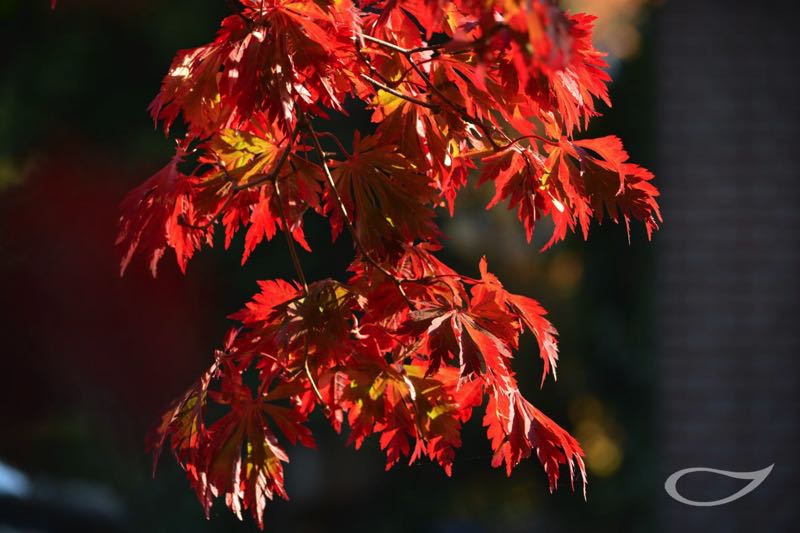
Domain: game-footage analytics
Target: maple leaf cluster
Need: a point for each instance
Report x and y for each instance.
(406, 348)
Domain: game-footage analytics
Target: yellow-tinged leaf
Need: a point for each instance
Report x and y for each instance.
(377, 388)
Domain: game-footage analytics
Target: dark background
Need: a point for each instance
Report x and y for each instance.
(676, 353)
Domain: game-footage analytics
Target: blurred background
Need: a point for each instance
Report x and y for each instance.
(677, 353)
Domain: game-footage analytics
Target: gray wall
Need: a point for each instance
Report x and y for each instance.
(728, 258)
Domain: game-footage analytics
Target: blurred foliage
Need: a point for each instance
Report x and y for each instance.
(618, 26)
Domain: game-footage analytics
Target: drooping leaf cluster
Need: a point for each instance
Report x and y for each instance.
(406, 348)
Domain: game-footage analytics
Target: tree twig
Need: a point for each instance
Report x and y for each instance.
(398, 94)
(237, 187)
(487, 129)
(312, 380)
(349, 223)
(278, 166)
(289, 239)
(335, 139)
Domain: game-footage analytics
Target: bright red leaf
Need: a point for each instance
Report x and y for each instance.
(406, 348)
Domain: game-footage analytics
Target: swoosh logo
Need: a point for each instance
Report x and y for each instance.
(756, 478)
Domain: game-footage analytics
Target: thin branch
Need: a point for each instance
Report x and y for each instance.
(398, 94)
(400, 49)
(369, 64)
(538, 138)
(237, 187)
(426, 48)
(487, 129)
(434, 47)
(289, 239)
(335, 191)
(386, 44)
(335, 139)
(349, 223)
(278, 166)
(409, 69)
(412, 393)
(386, 81)
(530, 136)
(312, 381)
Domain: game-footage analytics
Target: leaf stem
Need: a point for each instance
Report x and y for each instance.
(312, 380)
(390, 46)
(530, 136)
(335, 139)
(343, 209)
(487, 129)
(398, 94)
(237, 187)
(278, 166)
(289, 239)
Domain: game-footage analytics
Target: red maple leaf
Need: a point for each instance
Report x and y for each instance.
(407, 347)
(158, 214)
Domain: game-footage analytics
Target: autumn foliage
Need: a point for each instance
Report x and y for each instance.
(406, 348)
